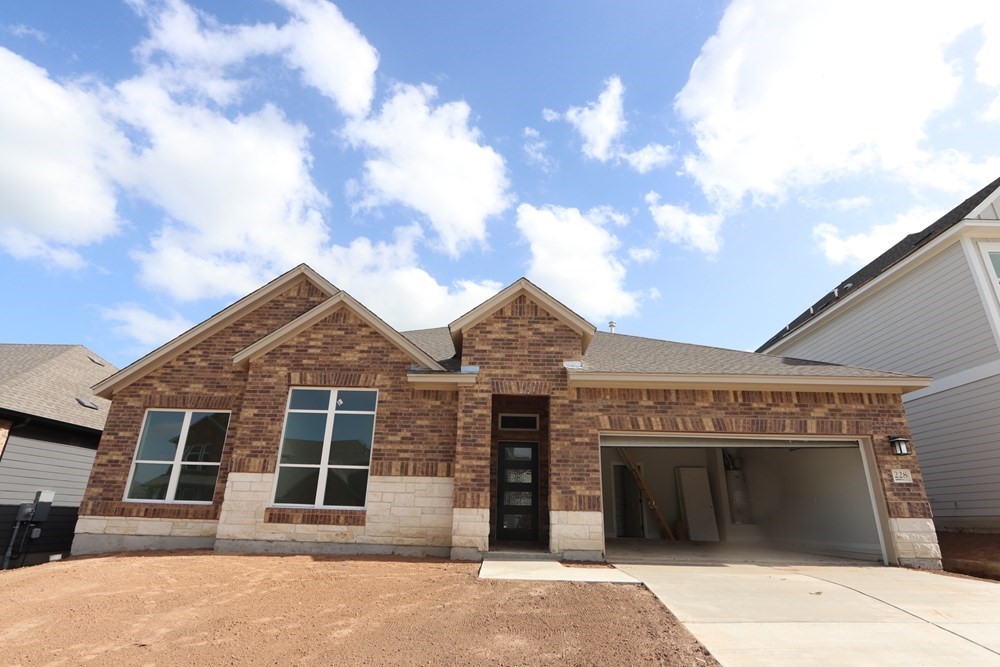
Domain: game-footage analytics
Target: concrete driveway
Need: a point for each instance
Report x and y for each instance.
(831, 615)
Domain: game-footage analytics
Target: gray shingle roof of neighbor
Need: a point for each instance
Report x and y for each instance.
(887, 260)
(46, 381)
(621, 353)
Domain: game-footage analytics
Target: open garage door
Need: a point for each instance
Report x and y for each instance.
(814, 497)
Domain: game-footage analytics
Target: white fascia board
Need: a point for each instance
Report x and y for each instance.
(780, 382)
(198, 333)
(965, 228)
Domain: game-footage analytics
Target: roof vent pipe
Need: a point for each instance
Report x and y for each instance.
(611, 326)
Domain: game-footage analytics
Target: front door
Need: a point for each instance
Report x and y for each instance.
(517, 491)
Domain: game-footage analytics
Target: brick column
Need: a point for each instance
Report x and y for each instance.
(471, 518)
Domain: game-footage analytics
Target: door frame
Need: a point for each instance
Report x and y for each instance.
(615, 499)
(505, 534)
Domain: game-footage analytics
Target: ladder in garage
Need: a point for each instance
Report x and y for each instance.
(647, 496)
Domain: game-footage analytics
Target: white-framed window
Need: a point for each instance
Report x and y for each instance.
(991, 255)
(326, 448)
(178, 456)
(518, 422)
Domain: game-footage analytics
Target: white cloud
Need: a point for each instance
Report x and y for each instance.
(642, 255)
(332, 54)
(678, 225)
(21, 30)
(575, 257)
(535, 149)
(135, 322)
(387, 278)
(648, 157)
(328, 50)
(786, 95)
(861, 248)
(601, 124)
(57, 152)
(238, 193)
(429, 158)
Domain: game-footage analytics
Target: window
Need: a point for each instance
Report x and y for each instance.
(177, 459)
(326, 448)
(519, 422)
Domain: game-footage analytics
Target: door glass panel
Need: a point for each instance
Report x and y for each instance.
(522, 498)
(518, 453)
(517, 522)
(517, 476)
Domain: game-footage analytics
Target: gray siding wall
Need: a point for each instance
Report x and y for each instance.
(28, 466)
(929, 322)
(957, 436)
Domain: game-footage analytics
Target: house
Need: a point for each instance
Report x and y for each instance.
(929, 305)
(50, 425)
(296, 420)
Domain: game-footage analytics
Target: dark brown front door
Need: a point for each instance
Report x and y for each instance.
(517, 491)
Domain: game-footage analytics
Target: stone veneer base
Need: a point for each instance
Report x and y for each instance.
(331, 548)
(916, 543)
(90, 543)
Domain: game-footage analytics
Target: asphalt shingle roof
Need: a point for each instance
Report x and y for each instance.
(621, 353)
(45, 381)
(887, 260)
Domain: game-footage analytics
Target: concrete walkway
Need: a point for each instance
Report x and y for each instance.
(827, 615)
(550, 570)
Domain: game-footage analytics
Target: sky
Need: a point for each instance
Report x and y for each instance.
(695, 171)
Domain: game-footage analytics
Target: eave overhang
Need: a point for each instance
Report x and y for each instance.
(596, 379)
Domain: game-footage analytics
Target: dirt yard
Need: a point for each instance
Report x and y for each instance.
(202, 608)
(976, 554)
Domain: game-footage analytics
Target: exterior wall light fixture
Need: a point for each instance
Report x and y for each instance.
(900, 445)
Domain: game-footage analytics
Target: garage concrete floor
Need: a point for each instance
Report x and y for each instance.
(754, 614)
(700, 553)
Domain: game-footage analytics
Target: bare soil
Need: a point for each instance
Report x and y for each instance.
(203, 608)
(976, 554)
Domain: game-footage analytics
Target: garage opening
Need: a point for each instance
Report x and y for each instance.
(808, 497)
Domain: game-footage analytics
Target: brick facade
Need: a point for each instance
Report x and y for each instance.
(435, 454)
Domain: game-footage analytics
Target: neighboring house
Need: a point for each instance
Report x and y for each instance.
(929, 305)
(50, 425)
(297, 421)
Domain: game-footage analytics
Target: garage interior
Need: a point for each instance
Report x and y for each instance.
(741, 499)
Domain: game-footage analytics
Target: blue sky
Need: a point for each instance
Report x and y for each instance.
(696, 171)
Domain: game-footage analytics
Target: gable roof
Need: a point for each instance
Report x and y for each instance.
(212, 325)
(615, 358)
(46, 380)
(891, 257)
(508, 294)
(620, 353)
(311, 317)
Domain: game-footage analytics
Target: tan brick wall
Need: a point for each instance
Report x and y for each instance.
(576, 422)
(520, 349)
(202, 377)
(414, 433)
(414, 429)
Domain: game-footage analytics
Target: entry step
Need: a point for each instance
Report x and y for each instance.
(520, 554)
